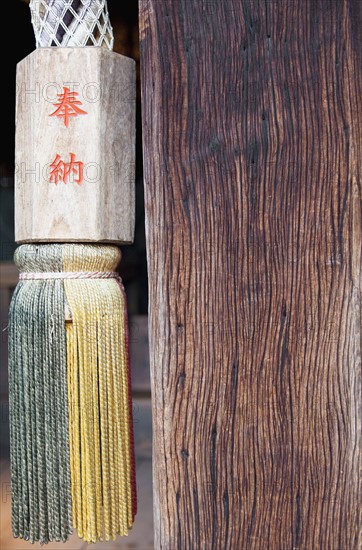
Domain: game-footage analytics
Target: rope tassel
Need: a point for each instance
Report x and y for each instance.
(72, 449)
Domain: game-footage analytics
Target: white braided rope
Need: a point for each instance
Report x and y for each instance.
(44, 275)
(71, 23)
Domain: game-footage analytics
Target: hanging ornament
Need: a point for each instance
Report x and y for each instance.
(72, 448)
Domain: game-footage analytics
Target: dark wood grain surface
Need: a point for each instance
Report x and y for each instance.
(252, 125)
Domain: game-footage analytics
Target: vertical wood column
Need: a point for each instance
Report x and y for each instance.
(251, 129)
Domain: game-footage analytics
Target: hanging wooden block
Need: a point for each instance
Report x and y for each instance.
(75, 146)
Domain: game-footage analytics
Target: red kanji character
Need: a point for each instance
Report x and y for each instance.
(67, 106)
(60, 170)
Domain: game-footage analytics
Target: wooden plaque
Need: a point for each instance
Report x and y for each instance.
(75, 146)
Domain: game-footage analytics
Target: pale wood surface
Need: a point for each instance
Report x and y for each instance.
(252, 154)
(101, 209)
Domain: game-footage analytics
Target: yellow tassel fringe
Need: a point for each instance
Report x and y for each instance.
(98, 385)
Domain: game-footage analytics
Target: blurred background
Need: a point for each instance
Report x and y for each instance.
(133, 269)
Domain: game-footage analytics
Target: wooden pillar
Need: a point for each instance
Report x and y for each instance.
(251, 155)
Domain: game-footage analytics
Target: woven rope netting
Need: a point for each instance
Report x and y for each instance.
(71, 23)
